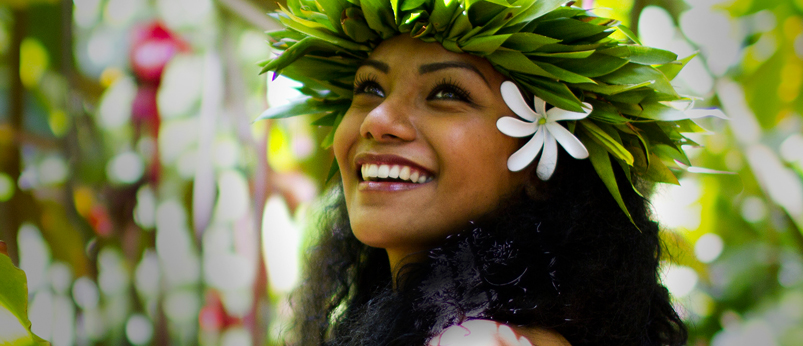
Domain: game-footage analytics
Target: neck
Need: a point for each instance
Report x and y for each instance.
(398, 258)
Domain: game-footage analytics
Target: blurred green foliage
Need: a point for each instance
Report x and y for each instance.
(185, 228)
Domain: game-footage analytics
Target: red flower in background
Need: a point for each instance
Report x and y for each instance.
(153, 46)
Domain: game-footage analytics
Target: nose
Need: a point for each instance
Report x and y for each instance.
(390, 121)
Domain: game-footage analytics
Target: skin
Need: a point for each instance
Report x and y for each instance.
(419, 104)
(401, 112)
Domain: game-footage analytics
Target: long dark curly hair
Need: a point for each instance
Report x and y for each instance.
(559, 254)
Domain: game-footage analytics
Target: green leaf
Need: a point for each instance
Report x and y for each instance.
(303, 21)
(330, 137)
(334, 168)
(605, 140)
(409, 5)
(459, 28)
(14, 306)
(484, 45)
(516, 61)
(605, 112)
(628, 33)
(321, 68)
(670, 152)
(564, 75)
(333, 10)
(355, 27)
(659, 111)
(637, 74)
(634, 96)
(324, 35)
(378, 14)
(554, 93)
(659, 173)
(560, 47)
(302, 107)
(528, 42)
(594, 66)
(672, 69)
(568, 29)
(535, 9)
(482, 13)
(602, 164)
(606, 89)
(295, 51)
(567, 55)
(641, 54)
(326, 120)
(626, 108)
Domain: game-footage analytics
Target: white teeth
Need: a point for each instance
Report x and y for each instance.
(372, 172)
(404, 174)
(383, 171)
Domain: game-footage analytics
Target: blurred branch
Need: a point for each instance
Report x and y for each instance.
(251, 13)
(797, 233)
(16, 111)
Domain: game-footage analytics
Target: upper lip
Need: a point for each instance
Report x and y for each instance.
(388, 159)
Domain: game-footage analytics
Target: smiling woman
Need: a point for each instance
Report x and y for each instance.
(421, 109)
(443, 230)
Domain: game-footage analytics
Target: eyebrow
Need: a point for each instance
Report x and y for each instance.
(428, 68)
(381, 66)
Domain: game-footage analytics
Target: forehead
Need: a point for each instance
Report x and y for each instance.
(404, 45)
(403, 50)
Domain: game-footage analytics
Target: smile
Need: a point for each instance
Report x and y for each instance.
(393, 173)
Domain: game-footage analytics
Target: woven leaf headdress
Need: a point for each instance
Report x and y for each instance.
(561, 54)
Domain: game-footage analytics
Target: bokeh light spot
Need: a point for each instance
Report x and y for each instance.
(34, 62)
(139, 329)
(115, 106)
(85, 293)
(126, 168)
(708, 247)
(679, 280)
(754, 209)
(53, 170)
(7, 187)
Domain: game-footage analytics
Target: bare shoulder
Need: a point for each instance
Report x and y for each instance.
(492, 333)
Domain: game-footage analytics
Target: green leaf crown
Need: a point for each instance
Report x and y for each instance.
(564, 55)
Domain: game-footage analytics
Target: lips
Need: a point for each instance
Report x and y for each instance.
(391, 169)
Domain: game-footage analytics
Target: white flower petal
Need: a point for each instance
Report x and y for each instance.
(516, 103)
(515, 128)
(527, 153)
(549, 158)
(540, 105)
(558, 114)
(568, 141)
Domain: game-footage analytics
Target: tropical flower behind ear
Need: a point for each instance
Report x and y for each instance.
(547, 133)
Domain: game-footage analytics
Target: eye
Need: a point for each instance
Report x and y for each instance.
(368, 85)
(449, 90)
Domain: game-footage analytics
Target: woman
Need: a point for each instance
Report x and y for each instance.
(450, 226)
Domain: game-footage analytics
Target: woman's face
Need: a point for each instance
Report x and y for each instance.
(419, 151)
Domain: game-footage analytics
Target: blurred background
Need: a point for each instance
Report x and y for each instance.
(146, 207)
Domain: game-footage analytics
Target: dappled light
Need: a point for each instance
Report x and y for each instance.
(146, 207)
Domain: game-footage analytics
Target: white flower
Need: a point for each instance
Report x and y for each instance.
(545, 130)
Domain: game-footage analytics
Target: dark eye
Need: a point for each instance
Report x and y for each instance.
(368, 85)
(449, 90)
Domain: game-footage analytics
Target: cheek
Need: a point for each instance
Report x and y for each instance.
(480, 153)
(346, 135)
